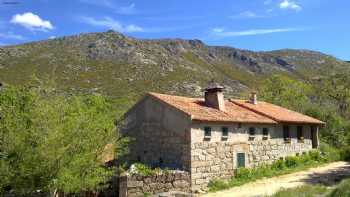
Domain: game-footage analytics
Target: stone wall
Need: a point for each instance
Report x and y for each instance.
(268, 151)
(212, 160)
(138, 185)
(160, 135)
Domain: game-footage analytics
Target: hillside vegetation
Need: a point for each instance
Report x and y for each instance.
(125, 67)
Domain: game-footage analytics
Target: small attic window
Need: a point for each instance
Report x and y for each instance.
(224, 131)
(265, 132)
(251, 133)
(207, 132)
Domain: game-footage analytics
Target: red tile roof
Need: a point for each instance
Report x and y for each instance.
(235, 111)
(196, 108)
(277, 113)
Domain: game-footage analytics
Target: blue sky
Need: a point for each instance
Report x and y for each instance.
(321, 25)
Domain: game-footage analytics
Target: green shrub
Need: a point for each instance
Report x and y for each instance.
(244, 173)
(342, 190)
(264, 171)
(345, 153)
(292, 162)
(315, 156)
(330, 153)
(144, 170)
(305, 159)
(216, 185)
(278, 165)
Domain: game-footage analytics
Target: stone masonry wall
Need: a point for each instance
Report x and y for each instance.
(268, 151)
(212, 160)
(138, 185)
(160, 135)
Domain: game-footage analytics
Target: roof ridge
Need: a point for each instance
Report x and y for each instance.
(154, 93)
(261, 112)
(253, 110)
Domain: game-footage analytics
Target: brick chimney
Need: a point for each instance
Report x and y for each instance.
(214, 96)
(253, 98)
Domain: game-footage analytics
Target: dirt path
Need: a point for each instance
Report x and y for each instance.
(327, 175)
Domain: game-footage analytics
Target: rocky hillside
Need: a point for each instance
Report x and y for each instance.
(121, 66)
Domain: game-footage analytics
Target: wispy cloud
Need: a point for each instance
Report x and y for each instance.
(32, 22)
(221, 32)
(290, 4)
(111, 23)
(246, 15)
(130, 9)
(11, 36)
(124, 10)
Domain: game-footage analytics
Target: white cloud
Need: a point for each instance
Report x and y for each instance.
(11, 36)
(290, 4)
(222, 33)
(218, 30)
(111, 24)
(32, 22)
(52, 37)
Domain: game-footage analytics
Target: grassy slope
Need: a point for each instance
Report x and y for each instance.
(65, 61)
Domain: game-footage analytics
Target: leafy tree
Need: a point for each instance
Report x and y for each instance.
(52, 142)
(286, 92)
(336, 89)
(325, 101)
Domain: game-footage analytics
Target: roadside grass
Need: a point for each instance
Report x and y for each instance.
(303, 191)
(280, 167)
(340, 190)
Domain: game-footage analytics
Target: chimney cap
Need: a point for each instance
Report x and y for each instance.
(214, 86)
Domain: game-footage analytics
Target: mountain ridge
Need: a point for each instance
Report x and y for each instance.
(114, 64)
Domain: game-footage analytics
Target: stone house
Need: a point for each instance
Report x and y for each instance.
(210, 137)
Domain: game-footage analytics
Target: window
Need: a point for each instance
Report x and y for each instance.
(265, 133)
(239, 125)
(286, 134)
(224, 133)
(251, 131)
(207, 132)
(300, 133)
(161, 162)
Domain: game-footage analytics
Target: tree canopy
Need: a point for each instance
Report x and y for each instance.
(51, 141)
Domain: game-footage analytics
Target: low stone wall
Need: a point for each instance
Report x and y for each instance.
(261, 152)
(138, 185)
(212, 160)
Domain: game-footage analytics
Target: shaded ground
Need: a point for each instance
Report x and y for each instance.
(329, 175)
